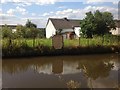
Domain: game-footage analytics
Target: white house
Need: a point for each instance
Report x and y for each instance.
(117, 31)
(69, 28)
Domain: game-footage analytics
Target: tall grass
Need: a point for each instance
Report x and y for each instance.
(108, 41)
(29, 42)
(24, 47)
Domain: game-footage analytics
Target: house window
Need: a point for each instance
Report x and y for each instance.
(70, 35)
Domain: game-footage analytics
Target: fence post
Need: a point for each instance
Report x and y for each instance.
(79, 41)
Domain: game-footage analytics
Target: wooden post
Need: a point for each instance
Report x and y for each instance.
(79, 41)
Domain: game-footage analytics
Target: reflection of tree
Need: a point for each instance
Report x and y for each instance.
(72, 84)
(95, 69)
(17, 65)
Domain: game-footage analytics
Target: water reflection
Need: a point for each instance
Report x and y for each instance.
(96, 69)
(57, 66)
(89, 71)
(73, 84)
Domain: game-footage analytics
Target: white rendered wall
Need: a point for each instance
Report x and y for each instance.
(77, 31)
(116, 32)
(50, 29)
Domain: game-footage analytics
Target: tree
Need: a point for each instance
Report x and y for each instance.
(33, 34)
(104, 22)
(97, 23)
(20, 31)
(32, 30)
(41, 32)
(6, 32)
(88, 25)
(29, 24)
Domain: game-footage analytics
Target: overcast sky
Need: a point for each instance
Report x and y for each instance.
(38, 11)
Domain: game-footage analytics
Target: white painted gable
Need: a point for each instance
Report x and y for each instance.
(50, 29)
(116, 32)
(77, 31)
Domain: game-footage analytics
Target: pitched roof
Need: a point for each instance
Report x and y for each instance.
(117, 22)
(65, 23)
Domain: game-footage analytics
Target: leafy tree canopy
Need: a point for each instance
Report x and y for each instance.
(29, 24)
(6, 32)
(97, 23)
(28, 31)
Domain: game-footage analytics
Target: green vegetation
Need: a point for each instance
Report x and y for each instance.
(28, 40)
(109, 40)
(24, 47)
(97, 23)
(29, 31)
(97, 40)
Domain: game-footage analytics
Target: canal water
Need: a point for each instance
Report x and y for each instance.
(85, 71)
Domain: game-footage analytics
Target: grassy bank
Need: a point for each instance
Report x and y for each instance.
(47, 51)
(25, 47)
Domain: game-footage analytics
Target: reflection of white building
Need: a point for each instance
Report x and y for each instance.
(63, 67)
